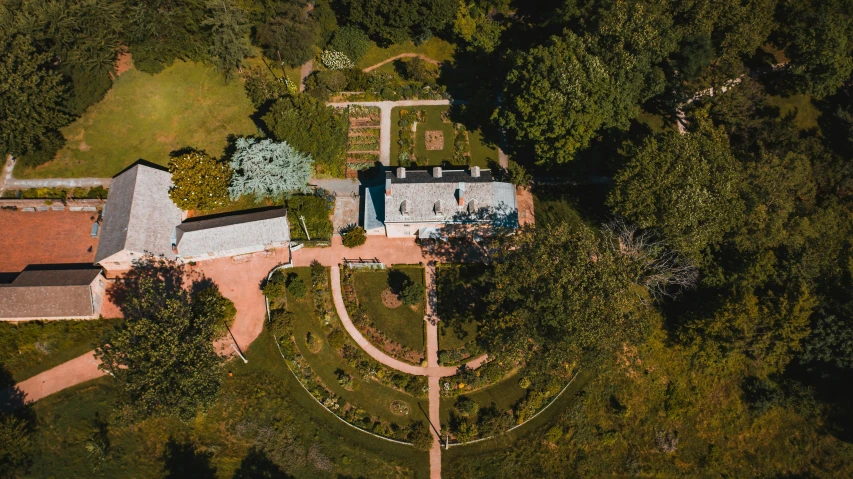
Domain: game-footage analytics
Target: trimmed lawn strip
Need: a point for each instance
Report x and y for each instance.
(482, 155)
(148, 116)
(32, 347)
(801, 104)
(260, 394)
(403, 324)
(373, 397)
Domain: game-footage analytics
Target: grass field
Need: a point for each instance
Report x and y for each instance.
(435, 48)
(29, 348)
(225, 443)
(576, 205)
(148, 116)
(806, 113)
(481, 153)
(403, 324)
(371, 396)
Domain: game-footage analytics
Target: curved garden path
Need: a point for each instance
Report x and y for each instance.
(402, 55)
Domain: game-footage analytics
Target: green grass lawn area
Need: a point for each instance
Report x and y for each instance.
(655, 122)
(370, 396)
(148, 116)
(481, 153)
(403, 324)
(458, 308)
(261, 393)
(502, 395)
(807, 114)
(435, 48)
(31, 347)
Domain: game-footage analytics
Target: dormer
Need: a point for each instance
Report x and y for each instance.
(437, 208)
(405, 208)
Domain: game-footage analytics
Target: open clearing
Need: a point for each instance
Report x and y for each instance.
(148, 116)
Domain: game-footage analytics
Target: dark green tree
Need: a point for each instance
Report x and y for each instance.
(31, 95)
(16, 446)
(686, 185)
(395, 21)
(162, 355)
(159, 31)
(227, 27)
(310, 126)
(289, 35)
(352, 41)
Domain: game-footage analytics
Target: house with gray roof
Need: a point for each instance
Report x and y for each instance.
(56, 293)
(139, 218)
(209, 238)
(431, 203)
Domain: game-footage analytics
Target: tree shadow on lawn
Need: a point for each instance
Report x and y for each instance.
(256, 465)
(183, 460)
(397, 281)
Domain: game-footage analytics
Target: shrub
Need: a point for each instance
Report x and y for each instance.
(466, 406)
(334, 60)
(465, 432)
(281, 324)
(312, 342)
(554, 434)
(295, 286)
(420, 436)
(413, 292)
(274, 287)
(416, 69)
(354, 237)
(337, 339)
(315, 211)
(352, 41)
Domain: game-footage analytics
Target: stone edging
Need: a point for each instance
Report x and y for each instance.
(525, 422)
(267, 302)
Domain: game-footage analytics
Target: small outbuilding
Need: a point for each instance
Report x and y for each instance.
(53, 294)
(234, 235)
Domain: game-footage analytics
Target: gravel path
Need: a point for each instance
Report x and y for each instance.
(402, 55)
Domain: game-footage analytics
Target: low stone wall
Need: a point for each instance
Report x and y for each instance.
(71, 204)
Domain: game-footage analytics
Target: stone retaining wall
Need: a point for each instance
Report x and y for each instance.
(71, 204)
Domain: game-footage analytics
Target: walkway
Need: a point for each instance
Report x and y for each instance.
(70, 373)
(385, 108)
(306, 70)
(10, 182)
(402, 55)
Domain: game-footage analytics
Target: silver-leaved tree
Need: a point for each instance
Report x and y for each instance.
(265, 168)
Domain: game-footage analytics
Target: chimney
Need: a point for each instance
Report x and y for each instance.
(461, 194)
(401, 172)
(388, 187)
(475, 172)
(436, 172)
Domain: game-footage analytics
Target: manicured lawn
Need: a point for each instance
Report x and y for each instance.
(435, 48)
(806, 113)
(260, 395)
(502, 396)
(403, 324)
(148, 116)
(481, 153)
(459, 307)
(31, 347)
(371, 396)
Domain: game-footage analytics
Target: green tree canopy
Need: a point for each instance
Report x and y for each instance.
(312, 127)
(31, 95)
(395, 21)
(227, 28)
(268, 169)
(162, 355)
(557, 97)
(200, 182)
(352, 41)
(686, 185)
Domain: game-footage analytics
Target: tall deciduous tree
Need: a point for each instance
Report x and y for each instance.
(395, 21)
(312, 127)
(199, 182)
(352, 41)
(557, 97)
(162, 355)
(268, 169)
(686, 185)
(478, 30)
(227, 27)
(31, 95)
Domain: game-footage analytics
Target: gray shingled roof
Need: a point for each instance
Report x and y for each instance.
(430, 199)
(48, 294)
(234, 232)
(139, 216)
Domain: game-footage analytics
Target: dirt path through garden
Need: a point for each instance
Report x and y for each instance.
(306, 70)
(402, 55)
